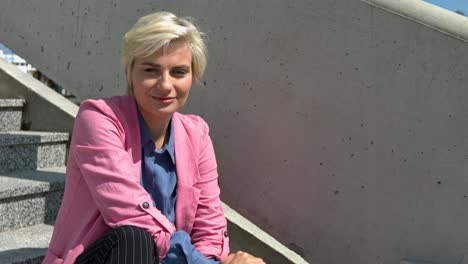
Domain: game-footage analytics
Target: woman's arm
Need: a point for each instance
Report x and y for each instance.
(98, 147)
(209, 233)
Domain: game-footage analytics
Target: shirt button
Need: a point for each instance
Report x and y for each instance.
(225, 234)
(145, 205)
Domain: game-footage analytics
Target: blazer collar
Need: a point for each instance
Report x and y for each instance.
(187, 168)
(187, 176)
(187, 165)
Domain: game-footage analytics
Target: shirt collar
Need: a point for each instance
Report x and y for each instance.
(170, 143)
(146, 138)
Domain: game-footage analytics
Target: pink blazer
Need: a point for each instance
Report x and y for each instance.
(103, 190)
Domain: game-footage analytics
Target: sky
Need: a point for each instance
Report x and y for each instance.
(4, 49)
(451, 4)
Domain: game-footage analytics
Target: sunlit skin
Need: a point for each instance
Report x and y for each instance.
(161, 84)
(242, 258)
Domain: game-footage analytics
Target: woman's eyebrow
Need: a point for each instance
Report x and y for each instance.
(150, 64)
(183, 66)
(158, 65)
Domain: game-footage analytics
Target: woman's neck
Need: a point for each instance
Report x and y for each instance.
(158, 127)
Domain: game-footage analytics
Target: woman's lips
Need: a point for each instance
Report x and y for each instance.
(163, 100)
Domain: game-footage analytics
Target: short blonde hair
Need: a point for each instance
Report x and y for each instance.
(159, 30)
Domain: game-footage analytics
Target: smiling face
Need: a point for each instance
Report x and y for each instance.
(161, 82)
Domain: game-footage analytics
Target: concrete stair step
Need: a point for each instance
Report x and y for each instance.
(11, 111)
(25, 245)
(246, 236)
(28, 150)
(30, 197)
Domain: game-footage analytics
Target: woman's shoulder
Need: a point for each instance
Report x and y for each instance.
(118, 106)
(117, 110)
(191, 122)
(109, 102)
(103, 116)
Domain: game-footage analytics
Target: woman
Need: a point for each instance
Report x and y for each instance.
(142, 178)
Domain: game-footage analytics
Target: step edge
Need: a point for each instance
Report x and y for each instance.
(32, 137)
(45, 230)
(16, 103)
(31, 186)
(255, 231)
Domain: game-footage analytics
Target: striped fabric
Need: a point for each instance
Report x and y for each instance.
(123, 245)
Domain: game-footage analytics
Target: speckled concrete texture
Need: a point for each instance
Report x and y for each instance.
(30, 137)
(25, 245)
(31, 182)
(30, 197)
(29, 210)
(51, 155)
(10, 119)
(19, 157)
(17, 213)
(12, 103)
(28, 157)
(11, 187)
(10, 114)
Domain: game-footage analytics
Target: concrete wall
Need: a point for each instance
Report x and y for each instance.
(45, 109)
(340, 127)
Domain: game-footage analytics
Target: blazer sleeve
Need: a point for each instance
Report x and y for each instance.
(209, 233)
(98, 147)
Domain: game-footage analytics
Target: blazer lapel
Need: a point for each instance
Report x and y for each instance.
(187, 175)
(129, 106)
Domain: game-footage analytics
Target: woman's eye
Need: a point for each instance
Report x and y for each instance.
(180, 72)
(149, 70)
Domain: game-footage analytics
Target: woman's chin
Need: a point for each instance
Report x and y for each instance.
(164, 111)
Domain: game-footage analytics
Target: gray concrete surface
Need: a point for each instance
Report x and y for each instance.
(45, 110)
(428, 14)
(29, 211)
(25, 245)
(10, 114)
(29, 198)
(27, 150)
(246, 236)
(340, 127)
(12, 103)
(24, 183)
(31, 137)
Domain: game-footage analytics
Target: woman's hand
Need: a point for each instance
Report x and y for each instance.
(242, 258)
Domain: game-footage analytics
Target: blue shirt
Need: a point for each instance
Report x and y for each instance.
(158, 175)
(159, 178)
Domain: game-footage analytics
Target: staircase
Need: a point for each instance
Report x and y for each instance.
(32, 179)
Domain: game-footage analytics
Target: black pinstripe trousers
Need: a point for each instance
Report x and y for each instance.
(123, 245)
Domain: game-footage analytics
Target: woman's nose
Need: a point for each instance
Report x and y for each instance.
(165, 81)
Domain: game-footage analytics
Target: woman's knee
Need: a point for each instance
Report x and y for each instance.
(133, 245)
(133, 234)
(132, 229)
(125, 244)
